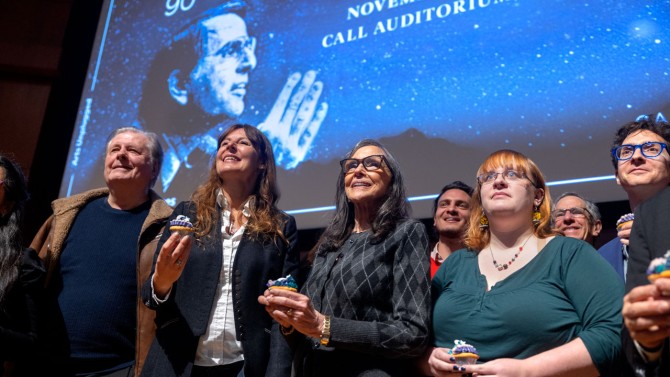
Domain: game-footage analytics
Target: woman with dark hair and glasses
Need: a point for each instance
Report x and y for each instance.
(205, 291)
(364, 310)
(21, 280)
(532, 303)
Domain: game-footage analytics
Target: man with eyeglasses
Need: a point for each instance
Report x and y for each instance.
(577, 217)
(451, 215)
(196, 88)
(642, 168)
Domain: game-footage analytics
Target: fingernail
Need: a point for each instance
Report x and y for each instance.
(462, 369)
(452, 359)
(456, 367)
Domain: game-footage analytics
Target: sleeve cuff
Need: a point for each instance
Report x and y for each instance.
(157, 300)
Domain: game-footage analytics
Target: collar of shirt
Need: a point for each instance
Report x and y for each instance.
(435, 255)
(223, 203)
(225, 212)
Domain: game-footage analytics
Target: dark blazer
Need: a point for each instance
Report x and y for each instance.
(184, 317)
(649, 239)
(613, 254)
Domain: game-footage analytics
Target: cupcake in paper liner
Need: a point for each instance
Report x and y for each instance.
(624, 220)
(659, 268)
(182, 225)
(288, 283)
(464, 353)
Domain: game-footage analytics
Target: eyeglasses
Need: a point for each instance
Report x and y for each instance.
(370, 163)
(574, 211)
(649, 149)
(237, 48)
(508, 175)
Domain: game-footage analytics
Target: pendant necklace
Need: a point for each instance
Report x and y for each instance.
(230, 229)
(505, 266)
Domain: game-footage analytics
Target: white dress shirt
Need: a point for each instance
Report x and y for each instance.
(218, 346)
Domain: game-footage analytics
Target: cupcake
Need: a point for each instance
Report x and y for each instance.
(465, 354)
(659, 267)
(287, 283)
(181, 225)
(624, 220)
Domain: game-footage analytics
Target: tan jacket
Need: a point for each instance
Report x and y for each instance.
(49, 244)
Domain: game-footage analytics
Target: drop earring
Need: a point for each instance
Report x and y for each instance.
(483, 222)
(537, 216)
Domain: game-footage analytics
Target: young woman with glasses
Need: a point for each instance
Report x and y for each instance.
(532, 303)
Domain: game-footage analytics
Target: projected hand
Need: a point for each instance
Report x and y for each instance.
(295, 119)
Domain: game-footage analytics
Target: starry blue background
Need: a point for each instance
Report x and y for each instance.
(527, 73)
(536, 76)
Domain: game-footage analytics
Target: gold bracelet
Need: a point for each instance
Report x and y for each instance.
(325, 332)
(286, 330)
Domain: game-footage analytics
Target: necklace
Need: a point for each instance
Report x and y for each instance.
(230, 229)
(505, 266)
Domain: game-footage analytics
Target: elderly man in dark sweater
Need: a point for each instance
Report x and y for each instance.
(97, 248)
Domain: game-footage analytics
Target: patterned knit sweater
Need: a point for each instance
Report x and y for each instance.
(378, 296)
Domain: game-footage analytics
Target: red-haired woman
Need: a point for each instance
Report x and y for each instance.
(532, 303)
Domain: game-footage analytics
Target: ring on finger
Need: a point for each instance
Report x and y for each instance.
(289, 312)
(178, 262)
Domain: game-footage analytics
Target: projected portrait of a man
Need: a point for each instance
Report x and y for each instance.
(196, 87)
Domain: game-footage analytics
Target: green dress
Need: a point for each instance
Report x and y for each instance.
(566, 291)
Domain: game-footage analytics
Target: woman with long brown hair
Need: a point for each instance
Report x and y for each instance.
(205, 290)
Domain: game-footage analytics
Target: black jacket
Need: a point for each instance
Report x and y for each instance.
(184, 317)
(649, 239)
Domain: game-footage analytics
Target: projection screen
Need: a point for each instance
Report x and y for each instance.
(441, 83)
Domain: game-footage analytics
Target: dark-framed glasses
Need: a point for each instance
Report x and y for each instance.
(578, 212)
(649, 149)
(237, 48)
(509, 175)
(370, 163)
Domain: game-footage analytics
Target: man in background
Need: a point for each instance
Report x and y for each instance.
(577, 217)
(196, 87)
(451, 214)
(98, 248)
(642, 169)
